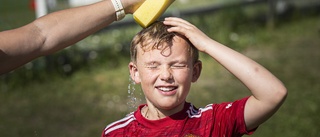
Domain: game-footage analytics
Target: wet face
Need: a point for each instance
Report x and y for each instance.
(165, 76)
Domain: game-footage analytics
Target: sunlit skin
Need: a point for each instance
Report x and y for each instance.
(165, 78)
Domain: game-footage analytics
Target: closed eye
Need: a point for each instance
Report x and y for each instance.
(179, 66)
(152, 65)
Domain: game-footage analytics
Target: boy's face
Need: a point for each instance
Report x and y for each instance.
(165, 76)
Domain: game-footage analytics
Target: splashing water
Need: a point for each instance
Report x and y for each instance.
(133, 101)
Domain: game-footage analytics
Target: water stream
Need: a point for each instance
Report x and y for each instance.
(134, 98)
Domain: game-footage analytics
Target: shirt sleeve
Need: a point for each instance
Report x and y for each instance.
(239, 110)
(229, 117)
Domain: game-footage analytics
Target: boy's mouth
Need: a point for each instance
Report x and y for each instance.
(167, 89)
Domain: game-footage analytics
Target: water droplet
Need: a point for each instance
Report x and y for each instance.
(133, 100)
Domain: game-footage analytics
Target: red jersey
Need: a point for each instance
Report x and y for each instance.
(214, 120)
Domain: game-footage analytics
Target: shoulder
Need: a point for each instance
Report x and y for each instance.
(194, 112)
(230, 110)
(120, 124)
(212, 109)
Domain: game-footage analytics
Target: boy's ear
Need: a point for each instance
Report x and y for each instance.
(134, 74)
(197, 67)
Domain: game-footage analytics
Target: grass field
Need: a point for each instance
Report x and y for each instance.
(84, 103)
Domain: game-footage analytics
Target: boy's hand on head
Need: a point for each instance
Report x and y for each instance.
(183, 27)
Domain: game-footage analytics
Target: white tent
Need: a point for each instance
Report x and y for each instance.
(76, 3)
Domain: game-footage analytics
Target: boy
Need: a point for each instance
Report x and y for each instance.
(164, 60)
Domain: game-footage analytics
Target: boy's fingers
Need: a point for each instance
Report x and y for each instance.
(177, 19)
(178, 25)
(177, 22)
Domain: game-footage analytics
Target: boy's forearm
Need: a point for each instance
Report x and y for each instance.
(268, 92)
(263, 84)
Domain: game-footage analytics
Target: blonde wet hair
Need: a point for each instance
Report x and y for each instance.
(157, 37)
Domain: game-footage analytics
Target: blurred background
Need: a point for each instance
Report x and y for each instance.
(81, 89)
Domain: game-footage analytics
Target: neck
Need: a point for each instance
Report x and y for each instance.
(153, 113)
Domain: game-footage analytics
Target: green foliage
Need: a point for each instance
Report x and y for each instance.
(15, 13)
(232, 26)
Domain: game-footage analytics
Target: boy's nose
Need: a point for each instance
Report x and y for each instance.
(165, 74)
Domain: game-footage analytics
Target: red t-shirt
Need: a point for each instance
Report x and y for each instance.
(214, 120)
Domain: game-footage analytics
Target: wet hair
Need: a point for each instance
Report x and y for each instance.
(157, 37)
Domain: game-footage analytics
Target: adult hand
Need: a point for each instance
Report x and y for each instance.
(131, 5)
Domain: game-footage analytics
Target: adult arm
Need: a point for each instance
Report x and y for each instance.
(268, 92)
(56, 31)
